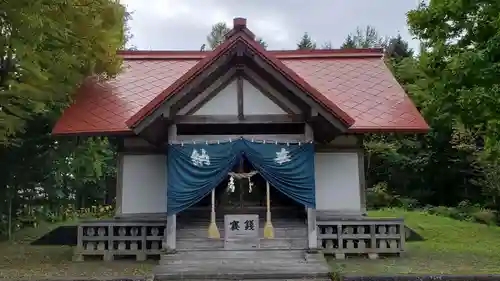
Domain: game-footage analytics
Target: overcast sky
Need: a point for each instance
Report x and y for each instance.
(184, 24)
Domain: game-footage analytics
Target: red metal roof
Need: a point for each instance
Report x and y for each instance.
(239, 37)
(355, 85)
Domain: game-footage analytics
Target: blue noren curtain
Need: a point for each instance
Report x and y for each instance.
(195, 169)
(289, 168)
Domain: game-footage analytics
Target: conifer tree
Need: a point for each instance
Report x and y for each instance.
(306, 43)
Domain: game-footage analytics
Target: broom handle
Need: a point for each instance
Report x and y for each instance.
(268, 202)
(213, 205)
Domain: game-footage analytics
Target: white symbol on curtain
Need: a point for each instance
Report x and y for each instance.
(282, 156)
(200, 159)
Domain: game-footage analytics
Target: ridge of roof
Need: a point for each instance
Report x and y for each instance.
(280, 54)
(240, 34)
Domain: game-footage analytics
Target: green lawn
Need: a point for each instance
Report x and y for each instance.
(19, 260)
(451, 247)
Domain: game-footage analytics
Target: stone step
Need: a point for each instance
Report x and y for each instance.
(202, 232)
(274, 271)
(199, 243)
(241, 265)
(275, 221)
(272, 279)
(209, 243)
(234, 256)
(220, 225)
(204, 220)
(246, 254)
(284, 243)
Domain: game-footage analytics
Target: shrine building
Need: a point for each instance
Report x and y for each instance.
(241, 148)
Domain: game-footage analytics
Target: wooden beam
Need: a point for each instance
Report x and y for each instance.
(217, 138)
(207, 94)
(240, 97)
(235, 119)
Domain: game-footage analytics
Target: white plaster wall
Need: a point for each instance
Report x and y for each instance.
(255, 102)
(337, 182)
(144, 184)
(224, 103)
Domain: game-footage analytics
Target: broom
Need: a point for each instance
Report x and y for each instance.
(268, 227)
(213, 231)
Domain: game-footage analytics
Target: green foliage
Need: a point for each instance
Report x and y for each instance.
(217, 34)
(47, 50)
(327, 46)
(454, 83)
(398, 49)
(262, 42)
(367, 37)
(461, 60)
(465, 211)
(306, 43)
(42, 173)
(349, 43)
(80, 36)
(379, 196)
(485, 216)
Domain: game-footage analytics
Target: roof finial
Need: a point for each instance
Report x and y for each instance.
(239, 23)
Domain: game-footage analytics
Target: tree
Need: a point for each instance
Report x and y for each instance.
(46, 51)
(398, 48)
(453, 82)
(327, 46)
(461, 60)
(459, 66)
(262, 42)
(34, 35)
(128, 31)
(348, 43)
(218, 33)
(306, 43)
(364, 38)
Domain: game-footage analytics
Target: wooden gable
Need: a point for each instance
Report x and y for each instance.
(243, 95)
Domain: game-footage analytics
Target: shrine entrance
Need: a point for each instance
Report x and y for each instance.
(246, 194)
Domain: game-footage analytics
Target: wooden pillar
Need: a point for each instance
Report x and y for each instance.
(171, 233)
(362, 181)
(171, 227)
(312, 232)
(119, 184)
